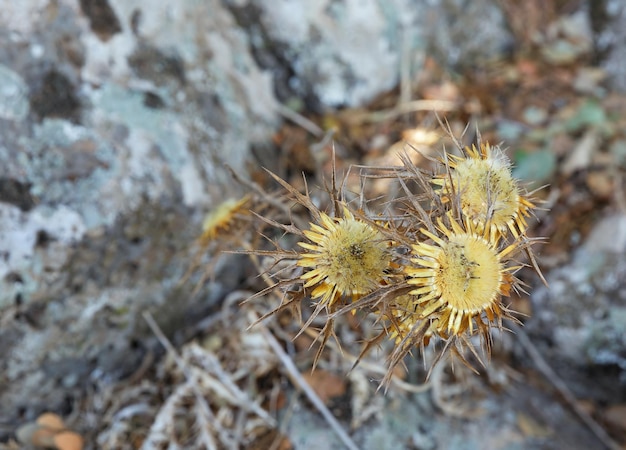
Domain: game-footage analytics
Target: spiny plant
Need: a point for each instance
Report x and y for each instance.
(436, 265)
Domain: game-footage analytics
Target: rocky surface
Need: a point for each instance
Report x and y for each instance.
(581, 318)
(344, 53)
(114, 120)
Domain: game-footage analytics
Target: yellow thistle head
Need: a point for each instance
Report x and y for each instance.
(486, 191)
(462, 275)
(346, 256)
(221, 219)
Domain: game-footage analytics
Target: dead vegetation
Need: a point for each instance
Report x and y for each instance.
(236, 385)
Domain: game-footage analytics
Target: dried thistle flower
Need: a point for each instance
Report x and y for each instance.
(457, 276)
(346, 256)
(338, 259)
(485, 189)
(435, 267)
(221, 219)
(462, 275)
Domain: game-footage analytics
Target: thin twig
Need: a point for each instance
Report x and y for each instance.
(267, 197)
(563, 390)
(405, 65)
(300, 120)
(247, 404)
(296, 378)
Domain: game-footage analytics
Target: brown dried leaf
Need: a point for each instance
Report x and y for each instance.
(325, 384)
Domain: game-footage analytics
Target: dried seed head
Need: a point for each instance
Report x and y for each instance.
(486, 191)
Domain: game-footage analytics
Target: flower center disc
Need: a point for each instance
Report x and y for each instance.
(469, 274)
(356, 257)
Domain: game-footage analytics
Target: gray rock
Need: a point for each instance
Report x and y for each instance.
(13, 95)
(344, 53)
(114, 119)
(583, 312)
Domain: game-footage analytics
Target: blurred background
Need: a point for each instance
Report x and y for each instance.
(119, 121)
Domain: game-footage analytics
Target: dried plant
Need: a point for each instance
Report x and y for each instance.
(436, 265)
